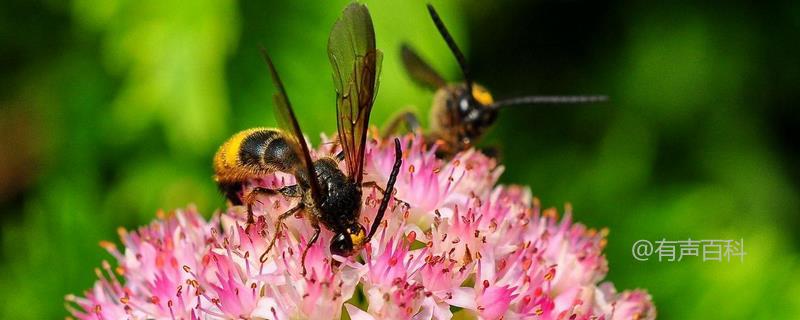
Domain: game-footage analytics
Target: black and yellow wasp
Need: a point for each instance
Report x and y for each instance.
(327, 195)
(461, 112)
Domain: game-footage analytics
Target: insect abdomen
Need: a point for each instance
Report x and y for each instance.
(251, 153)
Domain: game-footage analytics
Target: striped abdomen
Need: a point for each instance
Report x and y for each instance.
(252, 153)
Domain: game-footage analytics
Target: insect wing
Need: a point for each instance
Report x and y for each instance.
(288, 122)
(356, 66)
(419, 70)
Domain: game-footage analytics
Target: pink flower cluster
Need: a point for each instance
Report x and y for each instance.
(457, 241)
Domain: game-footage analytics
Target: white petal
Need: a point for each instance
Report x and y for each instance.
(463, 297)
(357, 314)
(264, 309)
(425, 310)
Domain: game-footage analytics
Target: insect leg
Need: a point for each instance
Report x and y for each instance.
(373, 184)
(293, 191)
(231, 192)
(407, 117)
(311, 242)
(398, 161)
(251, 197)
(491, 152)
(278, 224)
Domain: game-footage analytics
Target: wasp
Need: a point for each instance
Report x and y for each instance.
(461, 112)
(327, 195)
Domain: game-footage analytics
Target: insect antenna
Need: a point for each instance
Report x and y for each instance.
(462, 62)
(387, 194)
(548, 100)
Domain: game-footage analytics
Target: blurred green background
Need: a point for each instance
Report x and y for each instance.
(110, 110)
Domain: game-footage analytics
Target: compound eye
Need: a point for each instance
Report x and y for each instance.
(463, 104)
(341, 245)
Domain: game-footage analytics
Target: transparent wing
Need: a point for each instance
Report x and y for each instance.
(419, 70)
(288, 123)
(356, 66)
